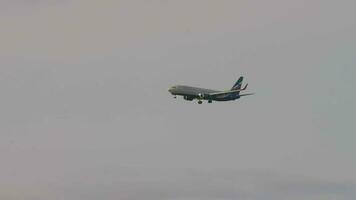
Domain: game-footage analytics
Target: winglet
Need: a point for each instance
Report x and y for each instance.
(245, 87)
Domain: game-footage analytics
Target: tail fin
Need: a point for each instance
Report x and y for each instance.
(238, 84)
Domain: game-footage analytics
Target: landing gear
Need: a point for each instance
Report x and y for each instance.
(175, 96)
(210, 101)
(200, 102)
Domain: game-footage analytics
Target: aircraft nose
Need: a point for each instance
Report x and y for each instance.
(171, 89)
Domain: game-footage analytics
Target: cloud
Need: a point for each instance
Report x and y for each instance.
(84, 85)
(161, 184)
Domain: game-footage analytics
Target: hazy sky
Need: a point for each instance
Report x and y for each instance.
(85, 111)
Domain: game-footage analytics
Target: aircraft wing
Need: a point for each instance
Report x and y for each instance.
(241, 95)
(227, 92)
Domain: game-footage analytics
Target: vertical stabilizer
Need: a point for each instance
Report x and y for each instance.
(238, 84)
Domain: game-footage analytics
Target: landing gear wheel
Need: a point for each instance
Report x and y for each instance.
(210, 101)
(200, 102)
(175, 97)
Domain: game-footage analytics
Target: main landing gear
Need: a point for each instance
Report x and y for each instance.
(209, 101)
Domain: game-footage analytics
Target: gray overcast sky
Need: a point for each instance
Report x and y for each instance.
(85, 111)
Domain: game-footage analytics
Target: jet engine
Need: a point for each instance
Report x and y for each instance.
(201, 96)
(188, 98)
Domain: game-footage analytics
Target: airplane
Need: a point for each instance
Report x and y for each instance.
(190, 93)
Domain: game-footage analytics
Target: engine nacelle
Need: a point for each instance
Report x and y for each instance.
(188, 98)
(201, 96)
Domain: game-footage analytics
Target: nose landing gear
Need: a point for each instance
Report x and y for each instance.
(200, 102)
